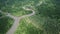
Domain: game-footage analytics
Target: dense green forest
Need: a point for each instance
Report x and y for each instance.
(45, 21)
(5, 23)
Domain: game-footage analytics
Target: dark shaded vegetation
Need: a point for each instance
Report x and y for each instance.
(51, 10)
(5, 24)
(52, 26)
(2, 3)
(0, 14)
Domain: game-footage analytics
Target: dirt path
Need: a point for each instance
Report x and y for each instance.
(17, 20)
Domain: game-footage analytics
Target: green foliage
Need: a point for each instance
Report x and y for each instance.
(44, 9)
(51, 26)
(47, 16)
(25, 28)
(49, 9)
(0, 14)
(5, 24)
(15, 6)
